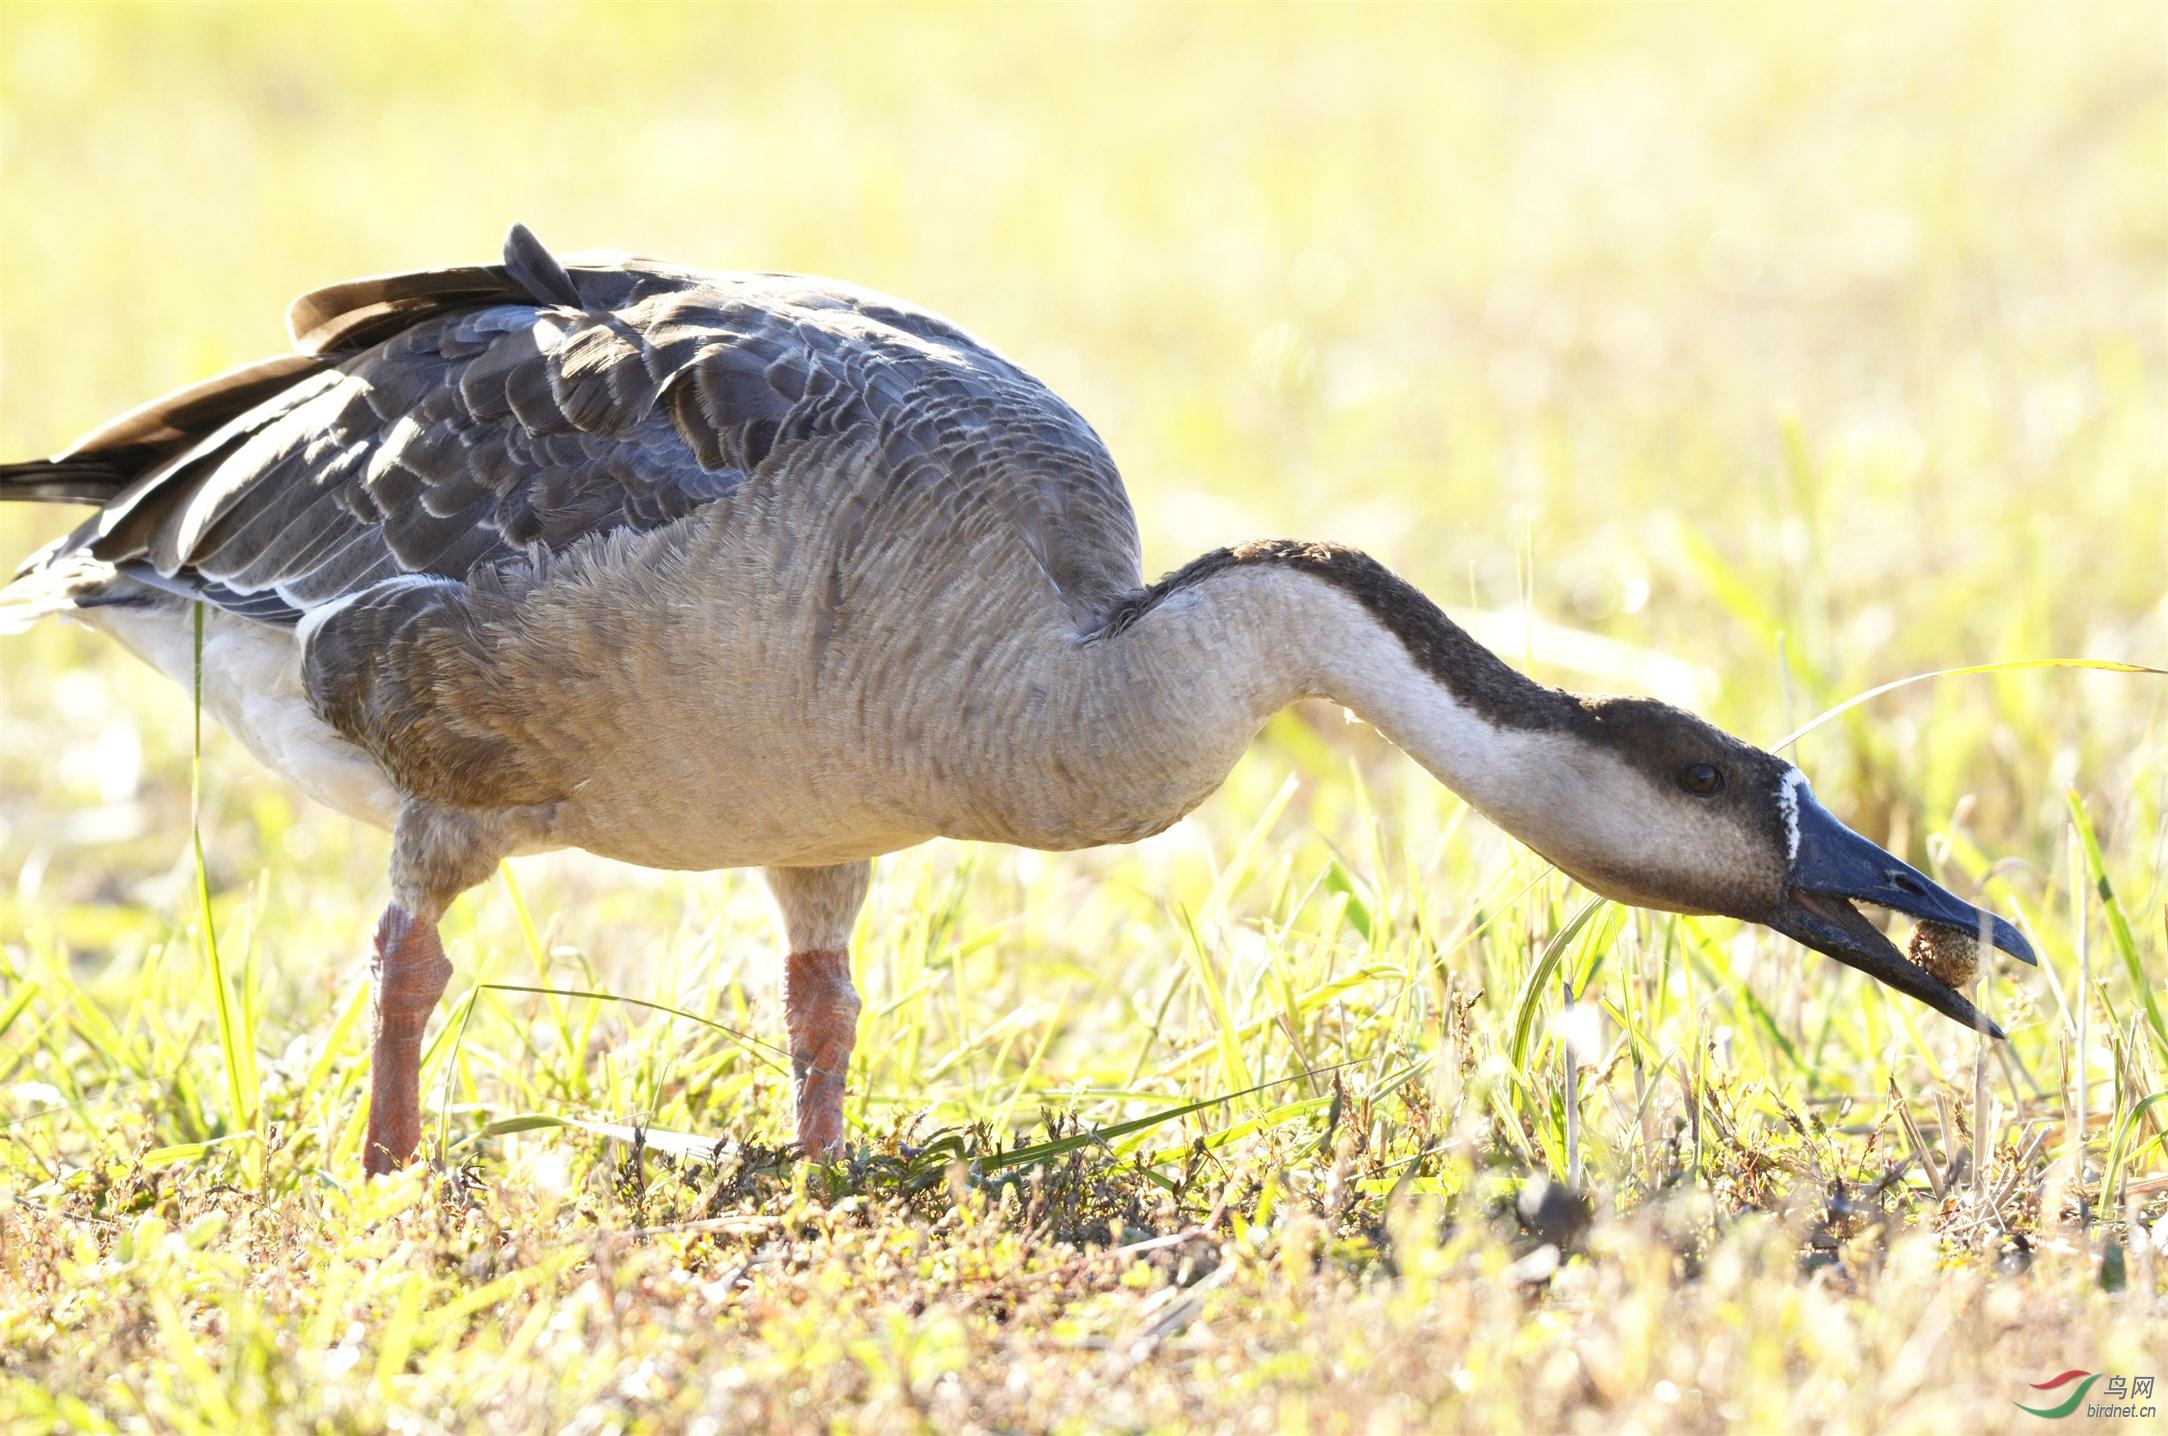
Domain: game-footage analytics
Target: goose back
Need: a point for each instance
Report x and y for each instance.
(441, 422)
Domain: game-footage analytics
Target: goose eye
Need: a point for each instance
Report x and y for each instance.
(1701, 779)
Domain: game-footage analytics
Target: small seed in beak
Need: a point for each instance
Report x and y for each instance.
(1950, 955)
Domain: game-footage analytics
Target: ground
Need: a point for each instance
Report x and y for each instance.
(1748, 356)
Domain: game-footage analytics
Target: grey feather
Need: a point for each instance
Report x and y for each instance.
(534, 269)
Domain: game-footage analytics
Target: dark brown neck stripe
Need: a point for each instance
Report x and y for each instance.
(1477, 678)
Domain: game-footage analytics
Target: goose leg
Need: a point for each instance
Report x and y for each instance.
(408, 975)
(818, 906)
(437, 854)
(822, 1009)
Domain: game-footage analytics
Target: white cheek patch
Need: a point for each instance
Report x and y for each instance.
(1788, 800)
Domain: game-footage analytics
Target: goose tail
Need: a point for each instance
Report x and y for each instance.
(70, 479)
(55, 579)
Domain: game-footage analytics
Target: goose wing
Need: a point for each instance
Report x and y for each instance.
(436, 422)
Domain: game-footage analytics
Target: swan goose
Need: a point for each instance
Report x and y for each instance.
(704, 570)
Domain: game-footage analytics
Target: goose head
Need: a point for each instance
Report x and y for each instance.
(1651, 806)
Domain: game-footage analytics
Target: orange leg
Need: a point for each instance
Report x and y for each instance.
(821, 1007)
(409, 973)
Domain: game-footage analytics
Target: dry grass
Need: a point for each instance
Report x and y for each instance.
(1786, 352)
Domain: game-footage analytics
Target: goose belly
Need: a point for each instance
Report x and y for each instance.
(252, 689)
(749, 789)
(749, 764)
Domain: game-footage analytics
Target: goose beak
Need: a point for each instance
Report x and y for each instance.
(1833, 867)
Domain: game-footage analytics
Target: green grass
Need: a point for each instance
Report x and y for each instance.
(1786, 351)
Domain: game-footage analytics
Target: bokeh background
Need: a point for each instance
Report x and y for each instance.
(1747, 355)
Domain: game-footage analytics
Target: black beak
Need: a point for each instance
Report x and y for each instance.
(1833, 867)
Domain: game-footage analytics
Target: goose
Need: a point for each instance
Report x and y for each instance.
(704, 570)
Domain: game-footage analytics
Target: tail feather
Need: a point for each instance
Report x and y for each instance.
(96, 468)
(326, 324)
(70, 479)
(54, 580)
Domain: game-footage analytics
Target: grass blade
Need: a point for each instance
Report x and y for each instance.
(235, 1042)
(1062, 1146)
(1538, 979)
(2119, 1153)
(750, 1043)
(28, 990)
(189, 1151)
(2126, 943)
(1227, 1030)
(2102, 665)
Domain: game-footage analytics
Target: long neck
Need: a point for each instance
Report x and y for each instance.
(1212, 650)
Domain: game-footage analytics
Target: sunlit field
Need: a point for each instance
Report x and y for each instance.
(1751, 357)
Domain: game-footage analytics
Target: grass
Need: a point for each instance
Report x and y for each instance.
(1755, 357)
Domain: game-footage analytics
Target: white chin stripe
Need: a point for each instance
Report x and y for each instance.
(1788, 799)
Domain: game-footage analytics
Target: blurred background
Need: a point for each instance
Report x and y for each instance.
(1747, 355)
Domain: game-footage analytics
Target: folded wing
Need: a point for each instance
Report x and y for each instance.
(440, 421)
